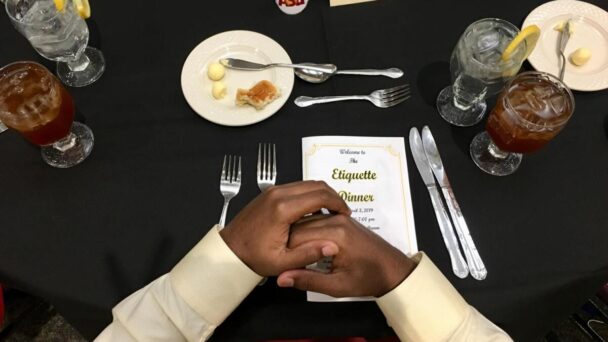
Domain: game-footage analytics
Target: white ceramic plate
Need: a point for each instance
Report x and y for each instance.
(590, 31)
(246, 45)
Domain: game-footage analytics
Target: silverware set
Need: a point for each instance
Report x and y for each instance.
(318, 73)
(230, 179)
(430, 166)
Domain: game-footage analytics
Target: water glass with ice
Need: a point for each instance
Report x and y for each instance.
(478, 71)
(59, 35)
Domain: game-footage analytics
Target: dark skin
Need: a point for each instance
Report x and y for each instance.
(259, 234)
(272, 237)
(366, 264)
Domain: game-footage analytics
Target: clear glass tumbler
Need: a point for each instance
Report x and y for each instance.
(58, 35)
(531, 111)
(34, 103)
(478, 70)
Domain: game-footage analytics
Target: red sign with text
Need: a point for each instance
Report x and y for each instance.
(291, 6)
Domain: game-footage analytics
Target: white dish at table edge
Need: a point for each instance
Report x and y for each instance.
(248, 45)
(590, 31)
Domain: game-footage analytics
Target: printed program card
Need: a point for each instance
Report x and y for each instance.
(371, 175)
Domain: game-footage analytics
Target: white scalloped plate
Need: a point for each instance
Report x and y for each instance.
(590, 31)
(251, 46)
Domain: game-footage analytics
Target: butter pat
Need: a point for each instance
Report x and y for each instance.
(216, 71)
(580, 56)
(219, 90)
(562, 24)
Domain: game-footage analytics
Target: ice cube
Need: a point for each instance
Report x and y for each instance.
(488, 40)
(533, 101)
(557, 103)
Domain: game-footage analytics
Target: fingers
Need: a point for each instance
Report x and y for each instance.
(307, 280)
(306, 254)
(332, 228)
(297, 188)
(294, 207)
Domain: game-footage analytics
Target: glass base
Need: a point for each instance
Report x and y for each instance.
(491, 160)
(456, 116)
(73, 151)
(80, 78)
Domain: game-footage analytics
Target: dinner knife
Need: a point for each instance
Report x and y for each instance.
(476, 266)
(459, 266)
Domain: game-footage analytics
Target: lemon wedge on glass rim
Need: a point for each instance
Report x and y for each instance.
(60, 4)
(82, 7)
(529, 36)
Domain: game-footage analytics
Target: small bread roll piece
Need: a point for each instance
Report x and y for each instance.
(258, 96)
(216, 71)
(219, 90)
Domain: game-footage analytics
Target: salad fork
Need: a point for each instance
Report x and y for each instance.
(382, 98)
(267, 166)
(230, 183)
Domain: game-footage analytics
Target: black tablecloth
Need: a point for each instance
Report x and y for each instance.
(88, 236)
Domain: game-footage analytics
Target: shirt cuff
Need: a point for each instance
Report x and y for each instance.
(212, 279)
(412, 307)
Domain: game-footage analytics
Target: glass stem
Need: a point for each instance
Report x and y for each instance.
(79, 63)
(66, 143)
(497, 152)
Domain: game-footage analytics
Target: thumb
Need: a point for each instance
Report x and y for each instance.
(307, 280)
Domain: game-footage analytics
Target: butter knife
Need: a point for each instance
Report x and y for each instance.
(459, 266)
(563, 41)
(2, 127)
(241, 64)
(476, 266)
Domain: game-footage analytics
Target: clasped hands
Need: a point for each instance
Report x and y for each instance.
(273, 236)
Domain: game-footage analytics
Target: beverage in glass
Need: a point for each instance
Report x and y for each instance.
(478, 70)
(58, 35)
(34, 103)
(531, 111)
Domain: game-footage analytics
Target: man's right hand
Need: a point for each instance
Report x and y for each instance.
(259, 233)
(365, 265)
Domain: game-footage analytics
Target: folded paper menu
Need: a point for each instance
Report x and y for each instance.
(370, 174)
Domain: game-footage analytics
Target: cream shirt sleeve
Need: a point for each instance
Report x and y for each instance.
(426, 307)
(188, 303)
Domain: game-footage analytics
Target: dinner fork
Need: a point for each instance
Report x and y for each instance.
(382, 98)
(267, 166)
(230, 183)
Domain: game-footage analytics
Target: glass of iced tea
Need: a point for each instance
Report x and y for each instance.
(532, 110)
(34, 103)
